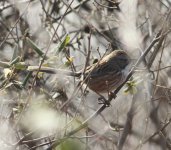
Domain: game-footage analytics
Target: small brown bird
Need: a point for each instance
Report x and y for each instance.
(104, 76)
(109, 73)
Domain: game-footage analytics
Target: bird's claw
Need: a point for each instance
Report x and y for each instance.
(104, 101)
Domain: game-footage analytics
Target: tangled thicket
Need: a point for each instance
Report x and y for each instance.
(47, 111)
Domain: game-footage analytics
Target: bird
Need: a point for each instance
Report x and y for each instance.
(108, 73)
(101, 77)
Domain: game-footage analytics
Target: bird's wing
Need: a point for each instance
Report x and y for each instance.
(103, 69)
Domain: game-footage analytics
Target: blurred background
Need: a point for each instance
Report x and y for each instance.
(39, 109)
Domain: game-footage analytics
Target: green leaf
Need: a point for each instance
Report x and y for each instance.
(69, 61)
(131, 85)
(64, 43)
(26, 79)
(20, 66)
(35, 47)
(69, 145)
